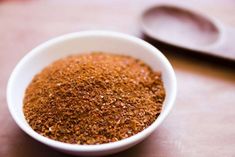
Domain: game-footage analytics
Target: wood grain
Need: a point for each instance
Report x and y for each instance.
(202, 121)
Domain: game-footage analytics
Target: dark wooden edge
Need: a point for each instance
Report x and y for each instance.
(186, 53)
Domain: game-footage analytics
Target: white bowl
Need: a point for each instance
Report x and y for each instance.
(84, 42)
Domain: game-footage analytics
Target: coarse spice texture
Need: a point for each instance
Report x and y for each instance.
(93, 98)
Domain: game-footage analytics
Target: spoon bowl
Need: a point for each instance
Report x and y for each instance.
(188, 29)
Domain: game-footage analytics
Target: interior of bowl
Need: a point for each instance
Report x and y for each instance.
(86, 42)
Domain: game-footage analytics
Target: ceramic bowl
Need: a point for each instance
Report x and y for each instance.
(85, 42)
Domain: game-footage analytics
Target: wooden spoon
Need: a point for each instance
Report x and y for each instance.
(188, 29)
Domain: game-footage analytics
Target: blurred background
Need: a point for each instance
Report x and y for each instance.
(201, 124)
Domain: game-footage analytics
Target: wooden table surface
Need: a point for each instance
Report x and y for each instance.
(202, 123)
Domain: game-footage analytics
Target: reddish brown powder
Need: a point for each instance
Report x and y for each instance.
(93, 98)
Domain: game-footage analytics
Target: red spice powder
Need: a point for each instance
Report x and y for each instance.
(93, 98)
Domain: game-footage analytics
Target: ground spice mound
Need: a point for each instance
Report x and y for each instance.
(93, 98)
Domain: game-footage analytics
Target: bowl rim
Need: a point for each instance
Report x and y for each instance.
(100, 147)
